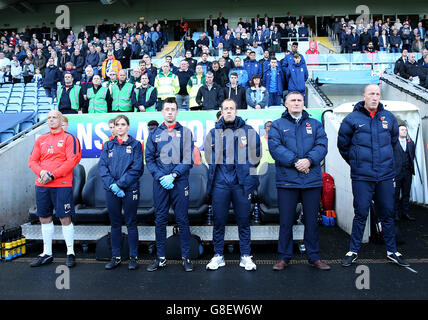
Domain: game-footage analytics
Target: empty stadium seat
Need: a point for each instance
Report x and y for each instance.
(93, 208)
(268, 196)
(5, 135)
(31, 107)
(198, 208)
(145, 211)
(13, 107)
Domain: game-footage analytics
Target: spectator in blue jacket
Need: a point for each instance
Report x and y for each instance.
(297, 74)
(273, 81)
(232, 150)
(253, 67)
(51, 77)
(288, 58)
(366, 141)
(257, 95)
(169, 158)
(241, 72)
(154, 37)
(298, 144)
(93, 58)
(120, 167)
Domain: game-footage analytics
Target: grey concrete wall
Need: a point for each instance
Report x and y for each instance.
(17, 193)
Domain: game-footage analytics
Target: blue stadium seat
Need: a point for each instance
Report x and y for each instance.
(2, 107)
(13, 108)
(31, 85)
(44, 100)
(7, 85)
(6, 135)
(15, 99)
(29, 99)
(32, 107)
(25, 125)
(5, 91)
(45, 106)
(19, 85)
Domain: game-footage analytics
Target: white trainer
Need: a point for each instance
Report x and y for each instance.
(247, 263)
(216, 262)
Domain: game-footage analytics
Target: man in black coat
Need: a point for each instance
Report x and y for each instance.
(210, 95)
(404, 156)
(235, 92)
(400, 62)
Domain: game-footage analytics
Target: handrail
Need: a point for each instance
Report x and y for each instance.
(22, 133)
(407, 81)
(328, 103)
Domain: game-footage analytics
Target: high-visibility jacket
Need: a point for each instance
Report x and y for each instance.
(115, 65)
(122, 97)
(193, 85)
(74, 97)
(167, 86)
(97, 101)
(147, 98)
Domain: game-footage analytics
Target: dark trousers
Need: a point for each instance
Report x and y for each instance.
(384, 192)
(403, 184)
(241, 205)
(178, 198)
(274, 99)
(129, 204)
(287, 201)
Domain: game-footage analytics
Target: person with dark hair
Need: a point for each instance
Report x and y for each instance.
(273, 81)
(372, 169)
(120, 167)
(170, 180)
(241, 72)
(404, 156)
(297, 74)
(192, 62)
(228, 61)
(253, 67)
(257, 96)
(232, 179)
(220, 77)
(51, 77)
(210, 94)
(70, 96)
(235, 92)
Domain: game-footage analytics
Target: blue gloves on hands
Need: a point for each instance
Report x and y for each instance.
(167, 182)
(117, 191)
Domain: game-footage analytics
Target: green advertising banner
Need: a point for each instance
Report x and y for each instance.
(92, 129)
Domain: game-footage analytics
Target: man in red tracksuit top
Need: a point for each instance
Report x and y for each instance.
(53, 158)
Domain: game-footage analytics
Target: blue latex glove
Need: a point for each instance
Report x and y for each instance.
(167, 181)
(120, 194)
(114, 188)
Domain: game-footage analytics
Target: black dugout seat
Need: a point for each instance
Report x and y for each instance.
(145, 211)
(198, 208)
(79, 178)
(93, 208)
(268, 196)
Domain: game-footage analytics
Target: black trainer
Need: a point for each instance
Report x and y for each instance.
(187, 264)
(349, 259)
(398, 259)
(42, 260)
(70, 261)
(133, 263)
(158, 263)
(114, 262)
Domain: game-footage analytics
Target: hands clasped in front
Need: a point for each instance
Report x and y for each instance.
(303, 166)
(167, 182)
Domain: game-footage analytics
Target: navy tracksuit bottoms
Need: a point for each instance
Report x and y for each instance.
(287, 202)
(129, 204)
(221, 198)
(178, 198)
(383, 193)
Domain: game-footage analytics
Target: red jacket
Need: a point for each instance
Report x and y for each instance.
(57, 153)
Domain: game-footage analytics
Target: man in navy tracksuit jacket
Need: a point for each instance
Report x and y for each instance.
(366, 140)
(232, 150)
(273, 81)
(297, 74)
(169, 153)
(298, 144)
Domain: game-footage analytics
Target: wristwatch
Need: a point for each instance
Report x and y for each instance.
(50, 175)
(174, 175)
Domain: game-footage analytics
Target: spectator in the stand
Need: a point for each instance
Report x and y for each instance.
(220, 76)
(92, 58)
(171, 65)
(144, 70)
(227, 41)
(136, 75)
(184, 74)
(253, 67)
(257, 96)
(121, 93)
(228, 61)
(78, 61)
(313, 48)
(400, 62)
(210, 95)
(303, 32)
(27, 70)
(111, 82)
(375, 40)
(86, 81)
(150, 66)
(424, 54)
(418, 44)
(192, 62)
(297, 74)
(259, 38)
(370, 48)
(166, 84)
(70, 96)
(406, 39)
(40, 61)
(206, 65)
(276, 40)
(4, 61)
(110, 64)
(193, 85)
(235, 92)
(395, 42)
(70, 69)
(241, 72)
(273, 81)
(63, 59)
(238, 42)
(127, 53)
(51, 77)
(353, 41)
(258, 50)
(412, 69)
(202, 41)
(144, 96)
(365, 38)
(16, 71)
(189, 45)
(384, 41)
(99, 98)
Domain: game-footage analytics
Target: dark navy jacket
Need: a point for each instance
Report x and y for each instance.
(169, 151)
(297, 74)
(367, 144)
(290, 141)
(398, 153)
(121, 162)
(246, 155)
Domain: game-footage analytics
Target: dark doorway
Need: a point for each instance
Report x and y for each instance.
(196, 25)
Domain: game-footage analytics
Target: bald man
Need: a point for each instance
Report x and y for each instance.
(366, 140)
(122, 93)
(53, 159)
